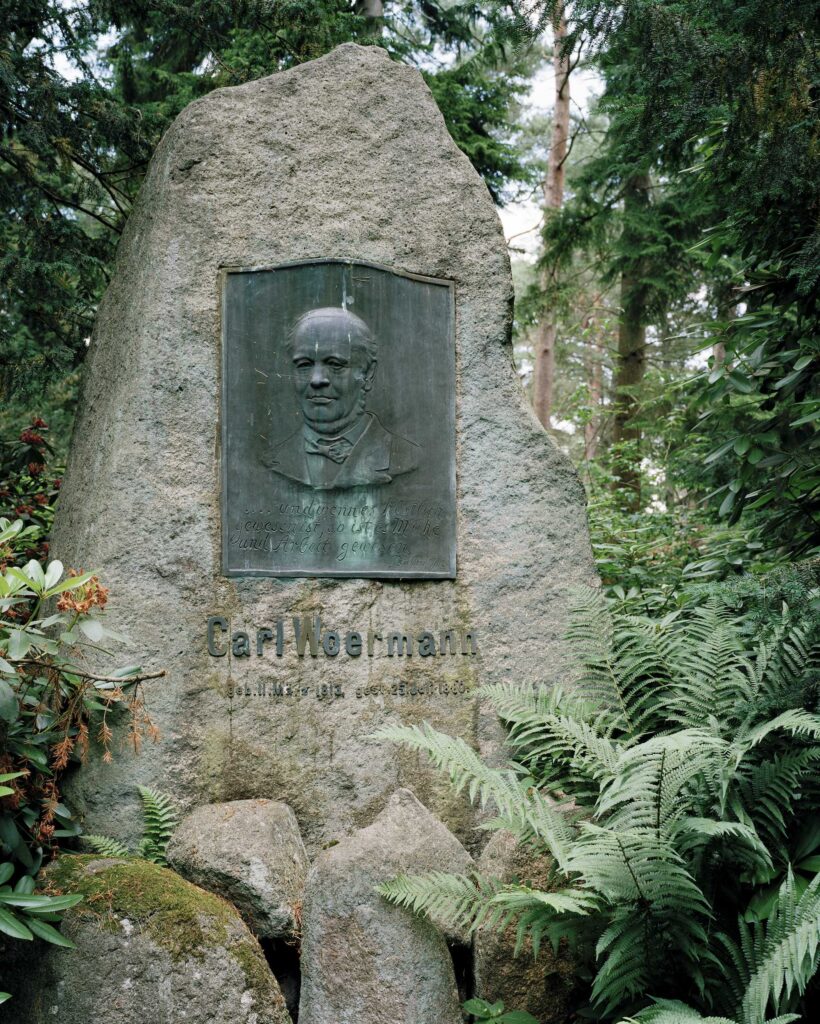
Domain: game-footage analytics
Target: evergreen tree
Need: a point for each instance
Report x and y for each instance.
(87, 89)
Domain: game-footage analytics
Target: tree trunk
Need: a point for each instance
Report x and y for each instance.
(593, 363)
(369, 8)
(544, 372)
(631, 361)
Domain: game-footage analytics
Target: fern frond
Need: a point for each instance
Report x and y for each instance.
(106, 846)
(525, 814)
(714, 674)
(621, 662)
(747, 850)
(646, 790)
(767, 792)
(672, 1011)
(471, 901)
(624, 664)
(462, 900)
(160, 820)
(639, 867)
(795, 721)
(789, 957)
(550, 726)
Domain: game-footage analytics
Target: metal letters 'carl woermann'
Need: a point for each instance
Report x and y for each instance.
(338, 422)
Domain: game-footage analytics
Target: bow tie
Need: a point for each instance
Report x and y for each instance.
(337, 449)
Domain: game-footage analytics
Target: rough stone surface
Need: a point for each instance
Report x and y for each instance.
(546, 987)
(151, 949)
(250, 852)
(347, 157)
(365, 961)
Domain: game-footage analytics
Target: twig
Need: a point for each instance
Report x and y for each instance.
(88, 675)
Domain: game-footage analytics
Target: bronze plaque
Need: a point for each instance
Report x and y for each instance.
(338, 422)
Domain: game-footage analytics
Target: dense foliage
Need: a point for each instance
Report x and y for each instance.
(685, 265)
(675, 786)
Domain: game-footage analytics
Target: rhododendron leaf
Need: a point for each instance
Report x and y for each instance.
(53, 573)
(71, 583)
(35, 573)
(93, 629)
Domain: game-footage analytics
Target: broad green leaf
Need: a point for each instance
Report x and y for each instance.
(129, 670)
(49, 933)
(53, 573)
(35, 573)
(6, 871)
(809, 418)
(741, 382)
(39, 902)
(9, 708)
(719, 452)
(93, 629)
(9, 530)
(476, 1006)
(727, 504)
(70, 584)
(790, 378)
(11, 926)
(19, 643)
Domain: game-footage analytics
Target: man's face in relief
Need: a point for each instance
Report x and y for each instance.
(333, 369)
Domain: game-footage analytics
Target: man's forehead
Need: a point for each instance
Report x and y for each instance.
(325, 333)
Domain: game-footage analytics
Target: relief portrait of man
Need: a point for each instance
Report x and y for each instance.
(340, 444)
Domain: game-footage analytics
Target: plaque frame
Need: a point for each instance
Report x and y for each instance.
(224, 273)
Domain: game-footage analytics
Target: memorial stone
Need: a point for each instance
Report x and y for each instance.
(303, 460)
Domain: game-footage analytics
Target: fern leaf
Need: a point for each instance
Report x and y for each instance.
(474, 902)
(106, 846)
(463, 900)
(790, 953)
(160, 820)
(672, 1011)
(795, 721)
(527, 814)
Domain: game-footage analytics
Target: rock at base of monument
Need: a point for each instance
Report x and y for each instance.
(250, 852)
(363, 960)
(151, 949)
(547, 987)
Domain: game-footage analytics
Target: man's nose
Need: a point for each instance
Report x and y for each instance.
(318, 376)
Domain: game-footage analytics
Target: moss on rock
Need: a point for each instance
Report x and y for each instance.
(178, 916)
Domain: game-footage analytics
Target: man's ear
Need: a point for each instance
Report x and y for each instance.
(369, 374)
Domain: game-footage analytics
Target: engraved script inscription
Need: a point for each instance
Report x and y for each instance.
(338, 422)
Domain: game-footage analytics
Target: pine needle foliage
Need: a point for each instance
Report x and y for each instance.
(674, 784)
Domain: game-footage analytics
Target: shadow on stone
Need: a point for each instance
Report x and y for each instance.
(462, 957)
(283, 960)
